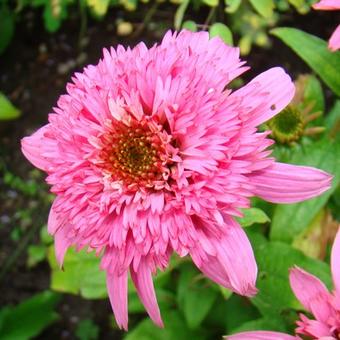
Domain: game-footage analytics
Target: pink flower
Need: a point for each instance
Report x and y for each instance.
(148, 154)
(331, 5)
(316, 299)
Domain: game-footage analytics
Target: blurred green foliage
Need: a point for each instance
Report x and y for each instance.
(249, 19)
(28, 318)
(191, 305)
(7, 110)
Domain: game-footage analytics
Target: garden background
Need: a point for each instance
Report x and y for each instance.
(42, 43)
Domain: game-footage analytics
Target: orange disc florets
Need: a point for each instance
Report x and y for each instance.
(136, 154)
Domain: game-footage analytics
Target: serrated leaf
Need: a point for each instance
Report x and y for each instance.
(29, 318)
(222, 31)
(314, 52)
(7, 109)
(251, 216)
(194, 298)
(263, 7)
(292, 219)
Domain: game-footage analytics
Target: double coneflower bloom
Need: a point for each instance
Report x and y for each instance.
(149, 153)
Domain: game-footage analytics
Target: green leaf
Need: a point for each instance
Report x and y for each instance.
(253, 215)
(300, 5)
(313, 240)
(227, 293)
(245, 44)
(274, 260)
(29, 318)
(267, 323)
(36, 254)
(238, 311)
(99, 7)
(179, 15)
(129, 5)
(174, 329)
(45, 237)
(190, 25)
(211, 3)
(314, 94)
(332, 120)
(54, 13)
(87, 330)
(292, 219)
(232, 5)
(6, 28)
(315, 53)
(81, 274)
(222, 31)
(263, 7)
(7, 110)
(194, 298)
(165, 300)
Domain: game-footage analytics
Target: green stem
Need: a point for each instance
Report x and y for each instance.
(83, 22)
(209, 18)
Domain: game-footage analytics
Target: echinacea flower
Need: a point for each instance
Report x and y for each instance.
(331, 5)
(149, 153)
(316, 299)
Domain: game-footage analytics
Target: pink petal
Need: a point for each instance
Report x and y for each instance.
(117, 289)
(327, 5)
(335, 262)
(266, 95)
(286, 183)
(61, 244)
(213, 270)
(55, 221)
(334, 41)
(142, 279)
(234, 265)
(311, 292)
(313, 328)
(31, 147)
(260, 335)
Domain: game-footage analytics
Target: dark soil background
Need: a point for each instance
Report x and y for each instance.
(33, 73)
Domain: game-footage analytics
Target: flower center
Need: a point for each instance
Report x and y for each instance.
(136, 154)
(287, 126)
